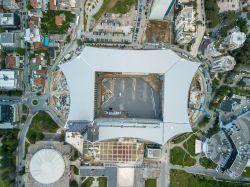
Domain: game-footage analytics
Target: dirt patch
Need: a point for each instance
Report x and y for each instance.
(158, 31)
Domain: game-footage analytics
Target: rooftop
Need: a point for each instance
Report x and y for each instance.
(7, 79)
(10, 61)
(47, 166)
(6, 18)
(229, 148)
(7, 38)
(175, 118)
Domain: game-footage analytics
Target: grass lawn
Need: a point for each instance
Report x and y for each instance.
(88, 182)
(179, 157)
(48, 22)
(150, 183)
(102, 181)
(189, 145)
(115, 6)
(246, 173)
(123, 6)
(42, 122)
(207, 163)
(4, 181)
(75, 170)
(180, 138)
(182, 179)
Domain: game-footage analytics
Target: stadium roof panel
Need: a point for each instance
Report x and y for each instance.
(178, 74)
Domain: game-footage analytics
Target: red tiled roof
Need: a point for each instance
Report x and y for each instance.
(38, 60)
(52, 5)
(34, 18)
(37, 81)
(41, 72)
(34, 3)
(58, 20)
(38, 44)
(10, 61)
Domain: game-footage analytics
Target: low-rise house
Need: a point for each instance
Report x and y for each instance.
(32, 34)
(9, 21)
(36, 3)
(38, 85)
(62, 4)
(59, 20)
(13, 61)
(10, 5)
(39, 61)
(185, 25)
(39, 4)
(222, 63)
(57, 38)
(35, 13)
(38, 45)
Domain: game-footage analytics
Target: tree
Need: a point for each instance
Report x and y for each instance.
(230, 16)
(242, 24)
(248, 15)
(20, 51)
(73, 183)
(242, 55)
(212, 12)
(68, 39)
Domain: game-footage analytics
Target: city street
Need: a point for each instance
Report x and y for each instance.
(42, 101)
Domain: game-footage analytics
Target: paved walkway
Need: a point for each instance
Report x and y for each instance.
(201, 28)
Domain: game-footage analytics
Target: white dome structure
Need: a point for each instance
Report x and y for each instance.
(47, 166)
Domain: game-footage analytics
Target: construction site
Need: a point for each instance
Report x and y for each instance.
(120, 95)
(158, 32)
(60, 96)
(197, 98)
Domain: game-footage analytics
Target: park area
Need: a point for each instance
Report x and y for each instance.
(41, 122)
(150, 183)
(189, 145)
(8, 160)
(49, 25)
(207, 163)
(179, 157)
(115, 6)
(182, 179)
(102, 182)
(246, 173)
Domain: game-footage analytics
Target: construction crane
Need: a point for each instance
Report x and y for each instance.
(201, 110)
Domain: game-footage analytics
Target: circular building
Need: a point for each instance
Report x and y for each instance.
(47, 166)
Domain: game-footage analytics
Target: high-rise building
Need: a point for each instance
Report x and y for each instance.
(160, 9)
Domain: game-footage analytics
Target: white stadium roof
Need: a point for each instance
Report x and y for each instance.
(178, 74)
(47, 166)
